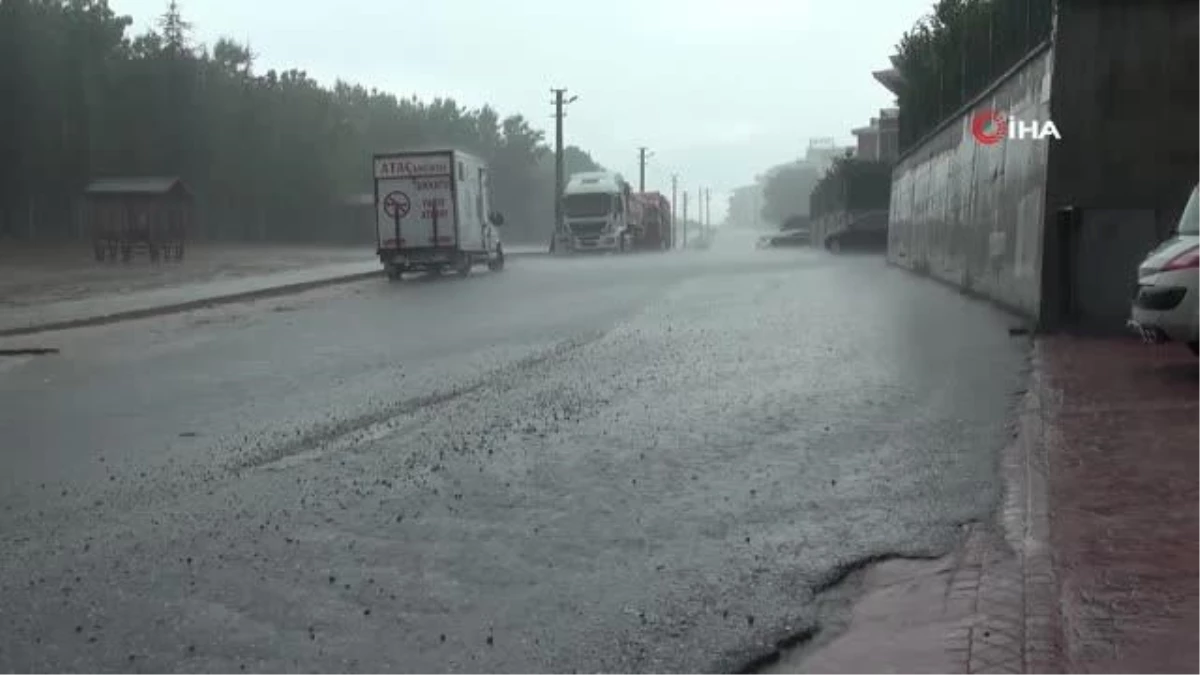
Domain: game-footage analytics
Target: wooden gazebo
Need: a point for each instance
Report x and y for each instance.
(132, 215)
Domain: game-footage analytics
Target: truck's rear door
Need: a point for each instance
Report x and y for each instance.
(470, 203)
(414, 204)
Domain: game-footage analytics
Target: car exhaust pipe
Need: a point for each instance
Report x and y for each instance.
(1149, 335)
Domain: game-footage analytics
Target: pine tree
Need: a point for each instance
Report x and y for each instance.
(174, 30)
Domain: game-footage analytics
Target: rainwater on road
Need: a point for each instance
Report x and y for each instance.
(640, 463)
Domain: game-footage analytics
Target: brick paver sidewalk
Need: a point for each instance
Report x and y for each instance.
(1121, 447)
(1092, 564)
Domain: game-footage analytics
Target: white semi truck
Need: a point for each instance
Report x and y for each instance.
(433, 213)
(598, 213)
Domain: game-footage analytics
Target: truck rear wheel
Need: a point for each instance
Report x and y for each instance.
(497, 263)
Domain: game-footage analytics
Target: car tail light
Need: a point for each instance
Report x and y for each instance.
(1187, 260)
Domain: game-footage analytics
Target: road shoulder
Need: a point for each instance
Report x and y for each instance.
(987, 607)
(101, 295)
(1081, 571)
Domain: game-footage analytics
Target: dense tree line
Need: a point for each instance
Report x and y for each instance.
(269, 156)
(787, 190)
(852, 184)
(957, 51)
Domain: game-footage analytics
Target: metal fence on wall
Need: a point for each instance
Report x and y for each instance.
(960, 51)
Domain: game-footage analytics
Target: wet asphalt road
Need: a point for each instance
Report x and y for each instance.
(604, 464)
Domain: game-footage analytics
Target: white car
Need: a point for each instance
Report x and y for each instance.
(1167, 302)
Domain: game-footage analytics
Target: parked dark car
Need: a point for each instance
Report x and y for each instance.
(866, 231)
(786, 239)
(857, 240)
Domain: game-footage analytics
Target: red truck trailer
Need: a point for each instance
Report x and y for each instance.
(653, 230)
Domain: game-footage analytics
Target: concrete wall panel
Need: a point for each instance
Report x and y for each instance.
(971, 214)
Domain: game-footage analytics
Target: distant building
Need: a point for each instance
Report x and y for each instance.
(890, 78)
(745, 205)
(884, 144)
(822, 151)
(879, 140)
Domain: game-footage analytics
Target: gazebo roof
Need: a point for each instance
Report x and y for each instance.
(148, 186)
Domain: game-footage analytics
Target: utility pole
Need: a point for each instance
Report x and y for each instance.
(559, 104)
(707, 207)
(685, 196)
(674, 196)
(642, 167)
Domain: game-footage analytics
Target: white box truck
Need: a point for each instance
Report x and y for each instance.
(433, 213)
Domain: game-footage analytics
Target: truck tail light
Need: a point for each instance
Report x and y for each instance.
(1189, 259)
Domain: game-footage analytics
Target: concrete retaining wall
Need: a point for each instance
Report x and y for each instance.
(1120, 82)
(971, 214)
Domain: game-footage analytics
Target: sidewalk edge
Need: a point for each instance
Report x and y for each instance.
(1026, 522)
(174, 308)
(1021, 317)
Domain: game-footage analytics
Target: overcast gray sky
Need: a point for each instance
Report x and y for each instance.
(718, 89)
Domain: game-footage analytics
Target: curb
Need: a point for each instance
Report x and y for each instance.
(1006, 572)
(174, 308)
(1023, 318)
(1026, 462)
(186, 306)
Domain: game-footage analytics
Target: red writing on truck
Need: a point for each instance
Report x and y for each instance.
(429, 205)
(390, 168)
(430, 184)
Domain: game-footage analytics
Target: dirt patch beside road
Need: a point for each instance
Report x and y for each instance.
(40, 274)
